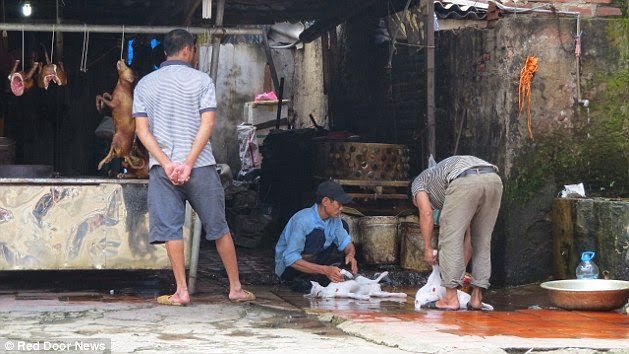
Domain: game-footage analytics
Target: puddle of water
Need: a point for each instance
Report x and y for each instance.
(302, 322)
(177, 337)
(118, 285)
(519, 297)
(504, 299)
(69, 298)
(241, 333)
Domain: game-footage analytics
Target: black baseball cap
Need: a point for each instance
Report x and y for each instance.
(333, 191)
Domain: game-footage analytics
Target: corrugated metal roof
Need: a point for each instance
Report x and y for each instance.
(461, 9)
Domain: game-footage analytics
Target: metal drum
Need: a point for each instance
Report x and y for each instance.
(379, 239)
(412, 247)
(352, 223)
(362, 161)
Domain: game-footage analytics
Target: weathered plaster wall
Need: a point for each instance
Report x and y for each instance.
(591, 224)
(240, 77)
(478, 79)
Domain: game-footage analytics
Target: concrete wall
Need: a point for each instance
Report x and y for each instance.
(569, 141)
(241, 76)
(591, 224)
(477, 81)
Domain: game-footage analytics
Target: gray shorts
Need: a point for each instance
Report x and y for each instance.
(167, 204)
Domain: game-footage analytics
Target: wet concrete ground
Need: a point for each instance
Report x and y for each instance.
(119, 306)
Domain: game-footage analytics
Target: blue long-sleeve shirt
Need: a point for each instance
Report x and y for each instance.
(292, 241)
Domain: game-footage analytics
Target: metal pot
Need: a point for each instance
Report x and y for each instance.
(588, 294)
(26, 171)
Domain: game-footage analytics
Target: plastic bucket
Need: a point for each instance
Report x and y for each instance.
(379, 239)
(7, 151)
(412, 246)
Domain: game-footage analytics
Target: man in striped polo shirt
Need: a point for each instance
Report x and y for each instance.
(468, 191)
(174, 110)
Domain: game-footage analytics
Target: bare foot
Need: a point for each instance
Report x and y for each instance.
(241, 295)
(442, 304)
(476, 300)
(184, 298)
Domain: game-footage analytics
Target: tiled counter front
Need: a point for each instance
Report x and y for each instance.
(77, 224)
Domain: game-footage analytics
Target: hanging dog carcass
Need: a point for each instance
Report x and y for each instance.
(22, 81)
(123, 143)
(51, 72)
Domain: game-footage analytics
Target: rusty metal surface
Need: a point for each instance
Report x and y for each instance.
(77, 226)
(362, 161)
(379, 239)
(412, 246)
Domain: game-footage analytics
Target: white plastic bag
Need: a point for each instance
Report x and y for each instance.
(433, 291)
(572, 190)
(249, 151)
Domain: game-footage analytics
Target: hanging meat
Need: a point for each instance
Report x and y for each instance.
(22, 81)
(51, 72)
(124, 144)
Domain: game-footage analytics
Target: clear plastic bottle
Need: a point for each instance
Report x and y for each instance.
(587, 269)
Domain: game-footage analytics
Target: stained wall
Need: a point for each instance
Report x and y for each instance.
(477, 112)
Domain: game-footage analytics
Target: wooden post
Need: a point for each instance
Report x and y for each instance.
(563, 238)
(216, 40)
(430, 76)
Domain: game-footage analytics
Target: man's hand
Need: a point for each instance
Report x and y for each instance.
(183, 173)
(178, 174)
(430, 256)
(351, 262)
(334, 274)
(170, 169)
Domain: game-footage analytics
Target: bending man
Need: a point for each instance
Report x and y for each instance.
(468, 191)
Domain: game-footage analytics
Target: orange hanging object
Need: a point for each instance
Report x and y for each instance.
(526, 76)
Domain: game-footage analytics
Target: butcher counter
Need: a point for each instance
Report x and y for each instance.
(79, 223)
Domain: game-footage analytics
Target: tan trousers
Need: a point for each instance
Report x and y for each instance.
(472, 200)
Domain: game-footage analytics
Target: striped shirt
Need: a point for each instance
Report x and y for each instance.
(173, 98)
(435, 180)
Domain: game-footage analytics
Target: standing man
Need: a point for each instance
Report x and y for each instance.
(468, 191)
(314, 243)
(174, 109)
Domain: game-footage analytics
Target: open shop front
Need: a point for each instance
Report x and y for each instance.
(95, 220)
(64, 202)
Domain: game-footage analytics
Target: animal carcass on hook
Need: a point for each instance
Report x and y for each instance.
(51, 72)
(22, 81)
(123, 143)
